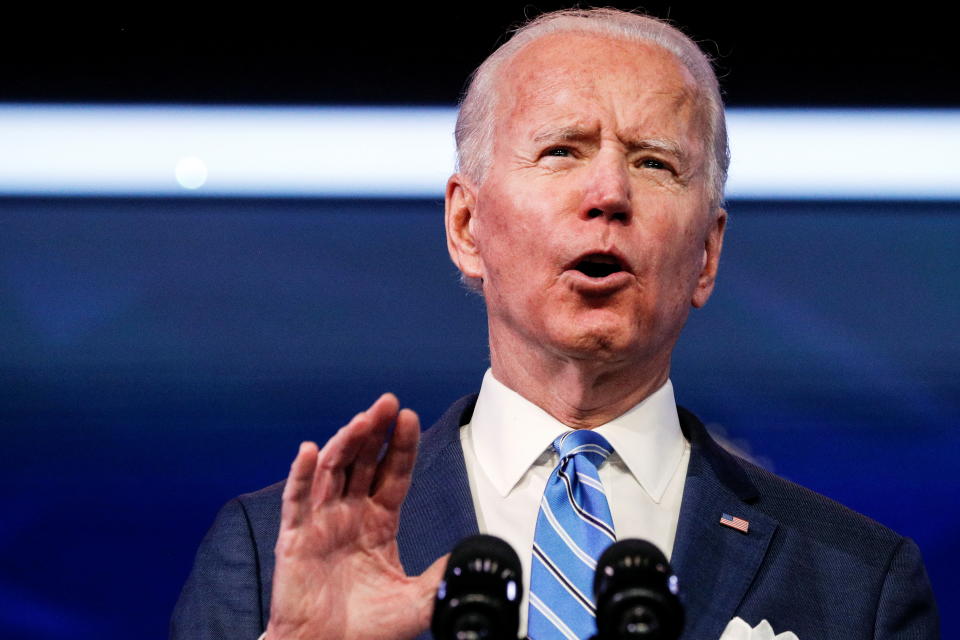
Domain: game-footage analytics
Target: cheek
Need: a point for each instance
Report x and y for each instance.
(679, 251)
(515, 236)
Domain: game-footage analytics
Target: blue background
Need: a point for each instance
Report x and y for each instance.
(161, 356)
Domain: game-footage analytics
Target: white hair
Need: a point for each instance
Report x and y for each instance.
(475, 122)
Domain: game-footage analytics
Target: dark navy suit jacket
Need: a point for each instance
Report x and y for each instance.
(807, 564)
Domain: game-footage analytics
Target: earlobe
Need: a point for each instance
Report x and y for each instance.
(460, 222)
(713, 244)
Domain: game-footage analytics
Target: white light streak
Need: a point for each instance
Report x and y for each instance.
(834, 153)
(72, 150)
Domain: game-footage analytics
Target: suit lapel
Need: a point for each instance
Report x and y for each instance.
(438, 511)
(715, 563)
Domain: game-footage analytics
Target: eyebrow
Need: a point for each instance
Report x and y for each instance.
(565, 134)
(658, 144)
(579, 134)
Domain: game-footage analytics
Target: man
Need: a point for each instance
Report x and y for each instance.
(587, 211)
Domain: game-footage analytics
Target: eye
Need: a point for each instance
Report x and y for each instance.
(653, 163)
(558, 152)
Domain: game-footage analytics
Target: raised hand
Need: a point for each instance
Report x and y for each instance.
(338, 572)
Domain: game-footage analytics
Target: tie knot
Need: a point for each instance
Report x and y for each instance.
(583, 442)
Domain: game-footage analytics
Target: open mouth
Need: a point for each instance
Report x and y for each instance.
(598, 265)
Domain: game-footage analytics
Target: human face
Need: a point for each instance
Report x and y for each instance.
(592, 230)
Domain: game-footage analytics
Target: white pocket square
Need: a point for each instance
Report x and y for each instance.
(738, 629)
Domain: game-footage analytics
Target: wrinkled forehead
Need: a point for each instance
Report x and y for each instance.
(571, 63)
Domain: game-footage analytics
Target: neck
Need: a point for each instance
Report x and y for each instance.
(581, 393)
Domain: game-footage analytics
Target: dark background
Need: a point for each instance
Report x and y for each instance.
(160, 356)
(787, 54)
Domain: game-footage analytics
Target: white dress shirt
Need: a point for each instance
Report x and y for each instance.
(509, 457)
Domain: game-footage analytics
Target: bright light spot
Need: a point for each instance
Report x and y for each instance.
(673, 585)
(191, 172)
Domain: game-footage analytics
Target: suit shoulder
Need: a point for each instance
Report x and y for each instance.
(818, 517)
(262, 509)
(803, 514)
(224, 596)
(264, 498)
(861, 555)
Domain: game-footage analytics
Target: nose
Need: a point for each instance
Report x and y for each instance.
(607, 191)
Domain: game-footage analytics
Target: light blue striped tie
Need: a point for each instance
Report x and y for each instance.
(573, 529)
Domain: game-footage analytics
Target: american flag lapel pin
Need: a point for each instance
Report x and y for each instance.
(734, 522)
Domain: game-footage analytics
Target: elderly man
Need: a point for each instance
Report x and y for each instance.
(587, 211)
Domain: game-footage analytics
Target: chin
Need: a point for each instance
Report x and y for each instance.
(603, 344)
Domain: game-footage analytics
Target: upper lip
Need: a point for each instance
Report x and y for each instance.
(601, 256)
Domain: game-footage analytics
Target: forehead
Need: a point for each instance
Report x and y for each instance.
(573, 75)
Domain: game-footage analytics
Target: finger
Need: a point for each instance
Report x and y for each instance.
(366, 425)
(381, 416)
(332, 464)
(337, 458)
(393, 475)
(296, 492)
(427, 583)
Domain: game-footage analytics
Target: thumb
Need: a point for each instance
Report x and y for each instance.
(428, 582)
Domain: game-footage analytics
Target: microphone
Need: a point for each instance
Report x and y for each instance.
(479, 597)
(636, 594)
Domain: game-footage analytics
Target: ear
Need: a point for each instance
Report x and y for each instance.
(711, 258)
(460, 220)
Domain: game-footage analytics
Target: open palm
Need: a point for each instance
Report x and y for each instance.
(338, 572)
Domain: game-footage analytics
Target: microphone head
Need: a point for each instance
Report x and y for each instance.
(479, 596)
(636, 593)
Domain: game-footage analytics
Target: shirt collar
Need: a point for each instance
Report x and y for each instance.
(509, 433)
